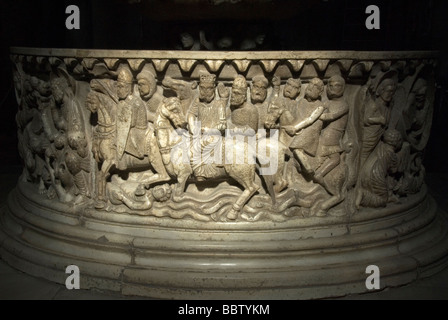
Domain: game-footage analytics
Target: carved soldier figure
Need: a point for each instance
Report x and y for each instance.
(77, 161)
(206, 120)
(37, 132)
(376, 117)
(132, 122)
(258, 96)
(147, 87)
(258, 92)
(209, 111)
(290, 93)
(244, 116)
(308, 125)
(335, 119)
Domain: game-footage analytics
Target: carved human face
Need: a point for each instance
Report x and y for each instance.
(335, 89)
(260, 39)
(144, 88)
(387, 93)
(57, 93)
(258, 92)
(187, 40)
(44, 88)
(420, 97)
(313, 90)
(290, 91)
(123, 89)
(224, 43)
(206, 91)
(238, 96)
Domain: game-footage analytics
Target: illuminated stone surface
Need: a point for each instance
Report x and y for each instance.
(109, 185)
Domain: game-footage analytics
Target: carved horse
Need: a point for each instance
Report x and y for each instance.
(175, 149)
(104, 144)
(334, 183)
(277, 116)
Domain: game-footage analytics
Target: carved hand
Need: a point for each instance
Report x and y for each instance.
(290, 130)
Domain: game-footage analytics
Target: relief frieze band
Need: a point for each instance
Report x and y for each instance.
(224, 136)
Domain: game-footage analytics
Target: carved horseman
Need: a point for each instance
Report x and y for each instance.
(206, 120)
(132, 123)
(147, 87)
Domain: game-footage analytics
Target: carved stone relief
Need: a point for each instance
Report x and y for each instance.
(227, 139)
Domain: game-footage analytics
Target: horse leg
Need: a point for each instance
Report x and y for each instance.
(330, 163)
(102, 180)
(155, 160)
(334, 184)
(280, 181)
(182, 178)
(327, 204)
(244, 174)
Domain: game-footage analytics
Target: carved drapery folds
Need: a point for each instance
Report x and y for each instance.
(216, 137)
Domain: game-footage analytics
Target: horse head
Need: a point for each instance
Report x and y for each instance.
(275, 110)
(183, 89)
(171, 109)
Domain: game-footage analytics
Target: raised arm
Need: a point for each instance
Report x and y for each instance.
(331, 116)
(309, 120)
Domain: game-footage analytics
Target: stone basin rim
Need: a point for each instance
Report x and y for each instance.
(225, 55)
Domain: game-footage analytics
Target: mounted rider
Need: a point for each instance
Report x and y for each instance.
(132, 122)
(206, 120)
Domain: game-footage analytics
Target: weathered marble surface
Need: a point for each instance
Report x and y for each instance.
(303, 165)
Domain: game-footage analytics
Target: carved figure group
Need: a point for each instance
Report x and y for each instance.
(144, 138)
(52, 138)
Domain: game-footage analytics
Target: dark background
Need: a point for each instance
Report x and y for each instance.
(288, 25)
